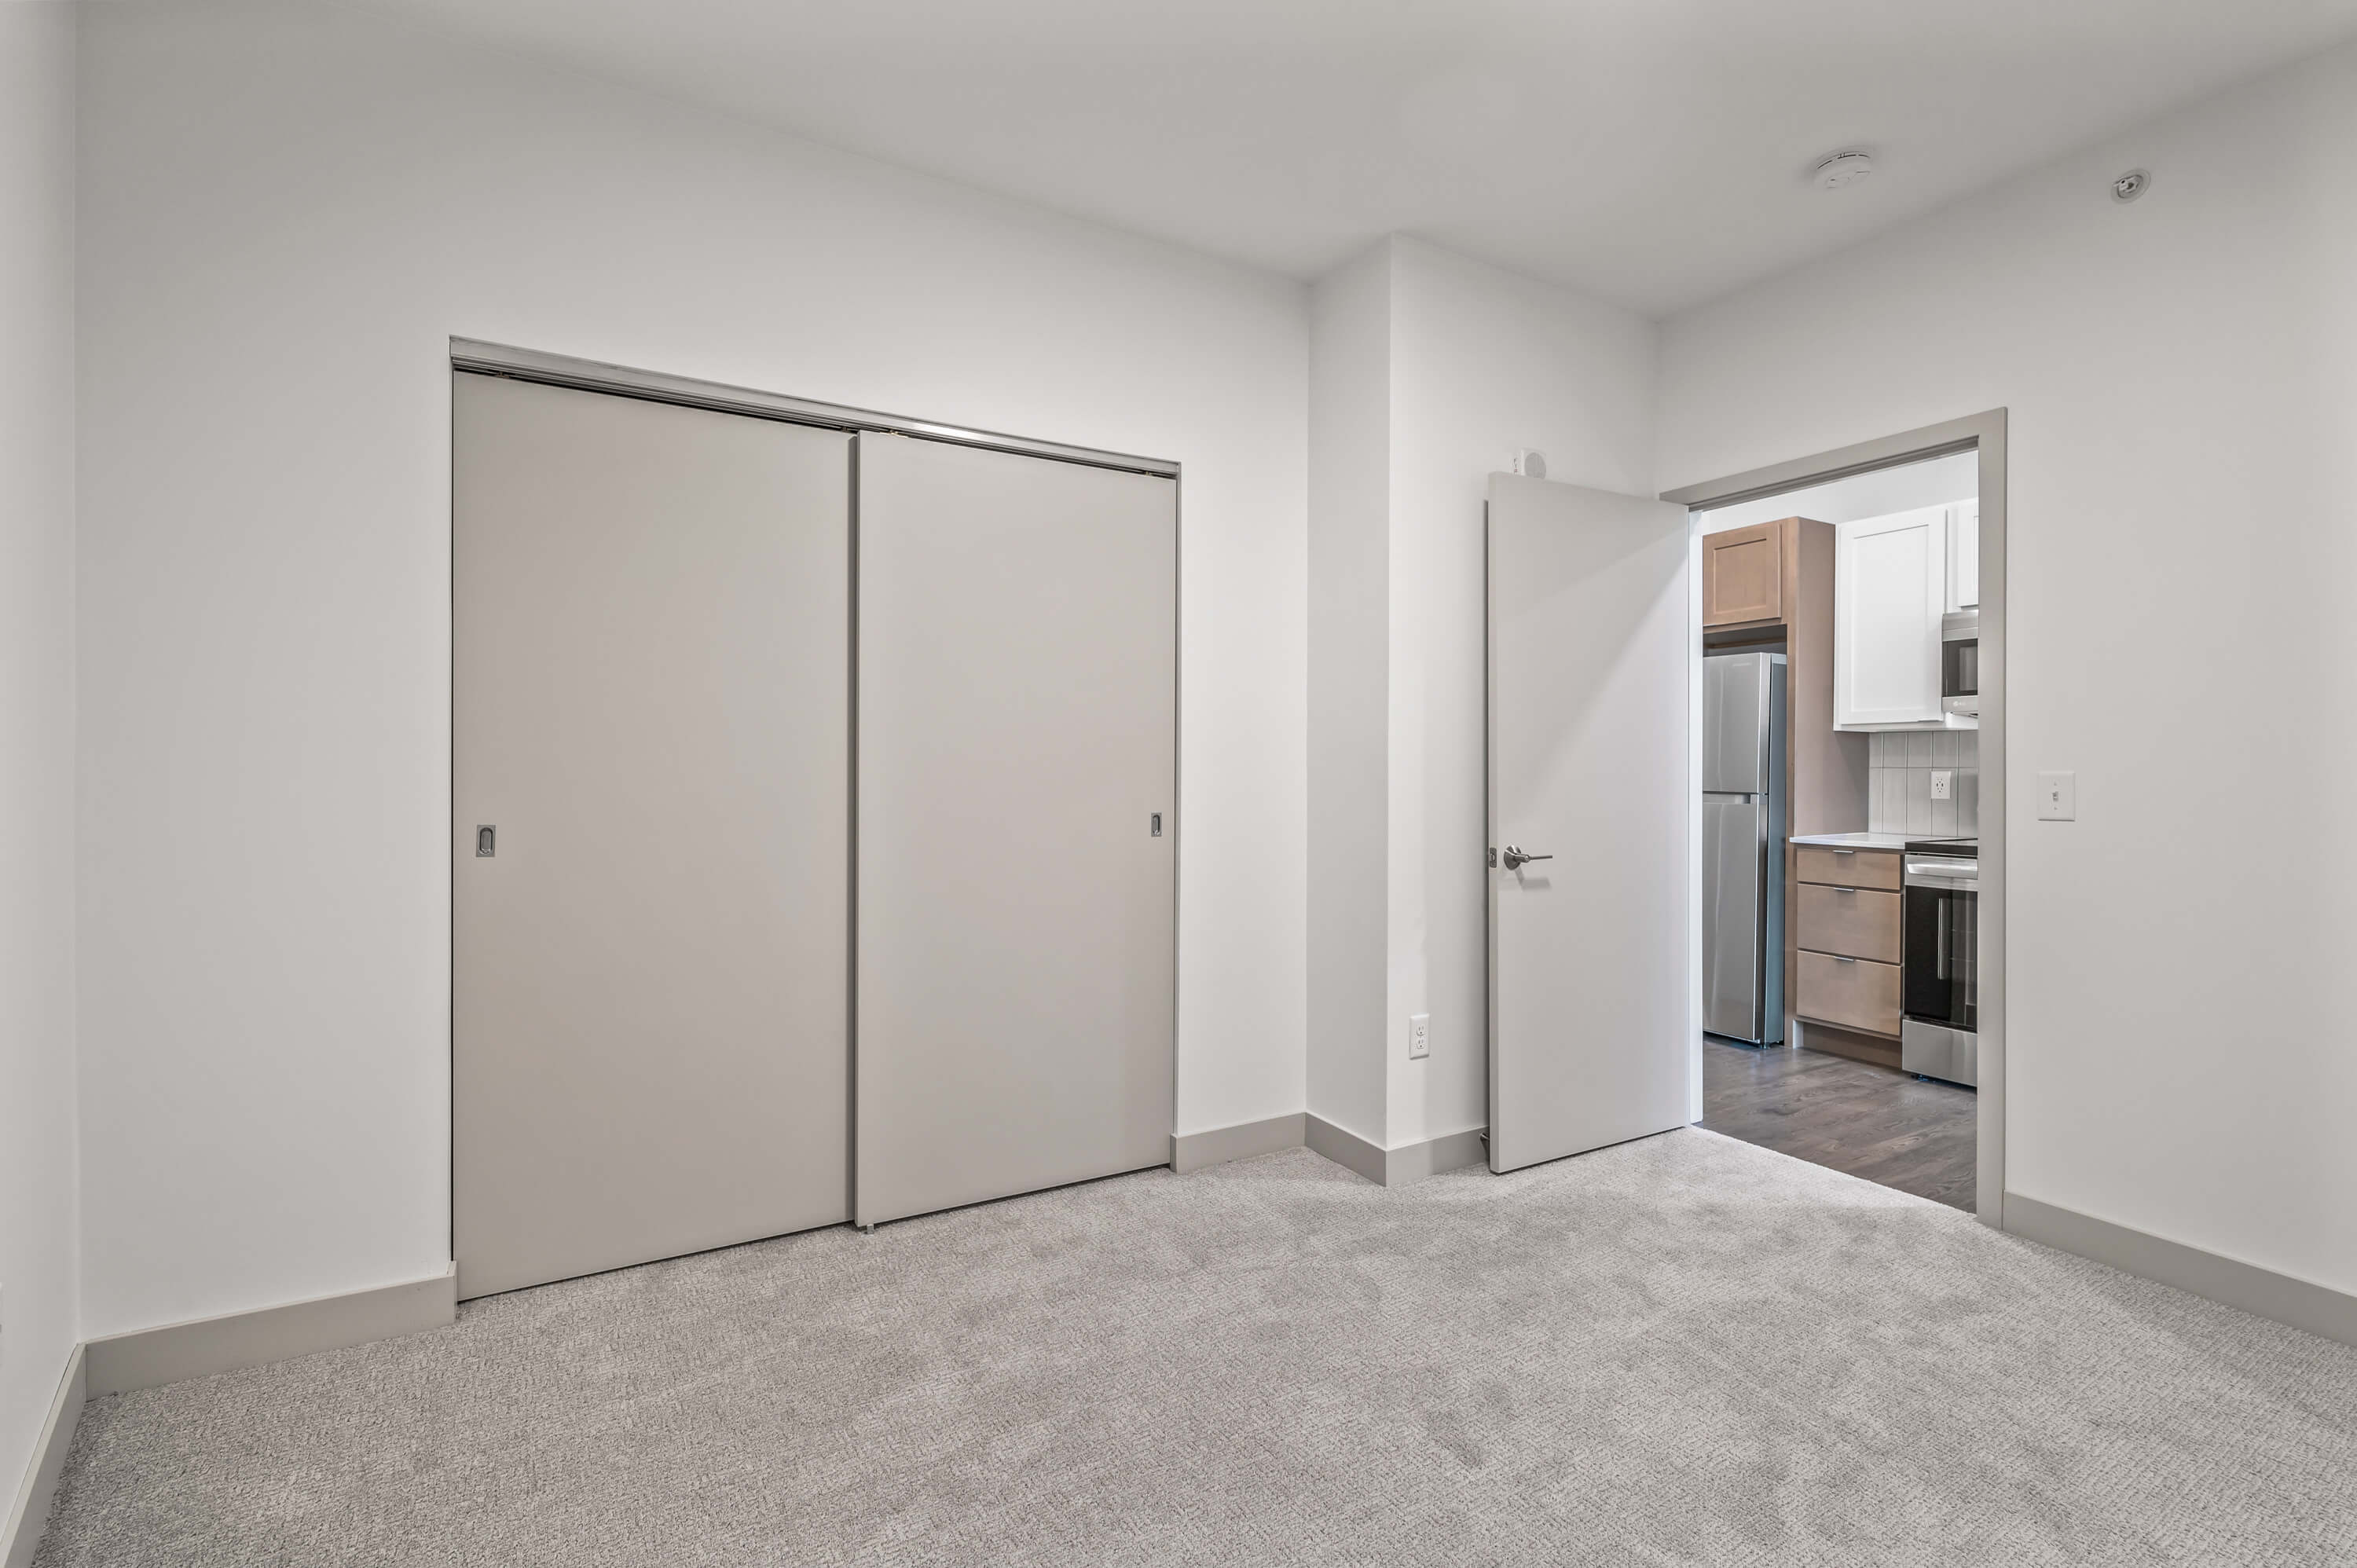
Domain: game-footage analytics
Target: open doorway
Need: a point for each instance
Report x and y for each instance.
(1850, 611)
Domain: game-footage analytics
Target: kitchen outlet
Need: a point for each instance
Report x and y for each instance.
(2057, 797)
(1943, 783)
(1419, 1034)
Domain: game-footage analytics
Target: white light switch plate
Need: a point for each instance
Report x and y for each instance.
(2057, 797)
(1419, 1034)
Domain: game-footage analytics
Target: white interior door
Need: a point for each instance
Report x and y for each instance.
(1017, 841)
(1591, 1019)
(650, 730)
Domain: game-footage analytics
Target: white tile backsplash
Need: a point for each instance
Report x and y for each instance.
(1898, 776)
(1919, 800)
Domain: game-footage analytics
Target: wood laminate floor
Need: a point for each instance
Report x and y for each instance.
(1877, 1122)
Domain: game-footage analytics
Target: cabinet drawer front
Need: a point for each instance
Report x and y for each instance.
(1876, 868)
(1856, 994)
(1848, 920)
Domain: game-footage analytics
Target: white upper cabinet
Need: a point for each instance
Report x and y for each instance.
(1964, 556)
(1890, 586)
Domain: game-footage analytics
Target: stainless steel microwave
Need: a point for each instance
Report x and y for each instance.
(1960, 663)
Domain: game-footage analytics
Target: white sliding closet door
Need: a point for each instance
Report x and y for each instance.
(651, 714)
(1016, 755)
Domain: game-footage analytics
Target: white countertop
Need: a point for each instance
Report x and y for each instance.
(1856, 841)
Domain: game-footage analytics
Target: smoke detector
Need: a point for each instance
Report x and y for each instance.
(1843, 168)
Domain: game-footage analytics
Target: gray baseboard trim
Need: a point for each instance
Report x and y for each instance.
(1193, 1151)
(30, 1514)
(1451, 1150)
(149, 1357)
(2260, 1292)
(1346, 1149)
(1396, 1167)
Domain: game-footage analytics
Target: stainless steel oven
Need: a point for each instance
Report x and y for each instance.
(1939, 976)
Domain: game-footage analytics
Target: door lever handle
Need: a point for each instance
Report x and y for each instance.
(1515, 859)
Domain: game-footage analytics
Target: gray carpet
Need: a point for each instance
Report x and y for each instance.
(1681, 1351)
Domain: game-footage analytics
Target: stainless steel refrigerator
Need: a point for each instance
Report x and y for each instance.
(1743, 819)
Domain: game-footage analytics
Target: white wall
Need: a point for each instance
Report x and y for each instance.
(39, 1270)
(1428, 370)
(2181, 376)
(1349, 588)
(287, 211)
(1483, 361)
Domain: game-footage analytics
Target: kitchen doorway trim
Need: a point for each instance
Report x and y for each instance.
(1983, 433)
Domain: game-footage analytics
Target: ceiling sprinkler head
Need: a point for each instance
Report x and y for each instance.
(1843, 168)
(2131, 185)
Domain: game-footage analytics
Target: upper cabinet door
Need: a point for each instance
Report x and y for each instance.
(1964, 556)
(1890, 588)
(1743, 575)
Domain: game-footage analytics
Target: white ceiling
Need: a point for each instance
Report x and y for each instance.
(1651, 152)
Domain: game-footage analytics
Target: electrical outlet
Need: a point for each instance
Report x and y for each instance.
(1943, 783)
(1420, 1035)
(2057, 797)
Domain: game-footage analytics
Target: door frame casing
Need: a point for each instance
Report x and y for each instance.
(1984, 435)
(480, 357)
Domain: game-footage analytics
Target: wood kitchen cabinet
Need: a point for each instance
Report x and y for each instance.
(1855, 923)
(1848, 946)
(1874, 868)
(1850, 994)
(1743, 572)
